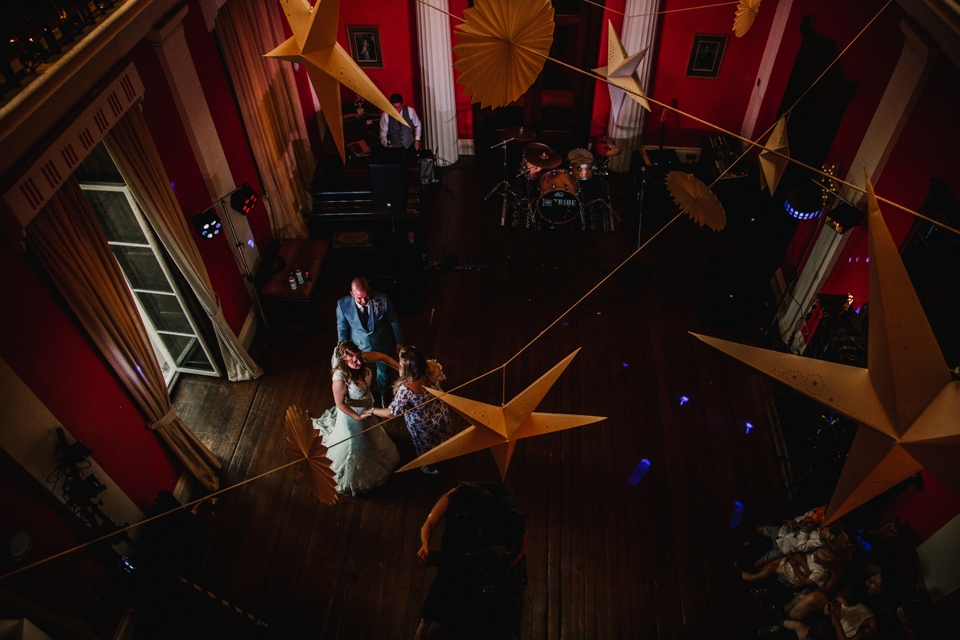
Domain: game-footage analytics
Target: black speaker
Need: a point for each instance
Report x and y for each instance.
(389, 191)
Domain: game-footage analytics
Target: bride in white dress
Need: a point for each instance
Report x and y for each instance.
(364, 461)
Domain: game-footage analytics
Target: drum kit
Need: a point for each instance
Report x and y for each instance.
(544, 193)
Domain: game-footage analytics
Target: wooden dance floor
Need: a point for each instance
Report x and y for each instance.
(607, 559)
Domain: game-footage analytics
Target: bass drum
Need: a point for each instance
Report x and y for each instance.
(559, 201)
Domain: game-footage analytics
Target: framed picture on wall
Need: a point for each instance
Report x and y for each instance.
(365, 46)
(706, 56)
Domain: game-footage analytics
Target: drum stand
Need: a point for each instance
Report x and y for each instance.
(503, 187)
(603, 198)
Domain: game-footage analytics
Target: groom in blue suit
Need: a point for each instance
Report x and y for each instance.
(363, 317)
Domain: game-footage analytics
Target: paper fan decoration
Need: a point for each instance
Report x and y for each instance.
(499, 428)
(503, 45)
(621, 73)
(772, 165)
(746, 14)
(314, 45)
(696, 200)
(303, 441)
(906, 402)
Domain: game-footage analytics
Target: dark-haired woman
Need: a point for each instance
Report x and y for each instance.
(481, 563)
(364, 461)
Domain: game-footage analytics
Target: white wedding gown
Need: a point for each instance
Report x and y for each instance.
(366, 461)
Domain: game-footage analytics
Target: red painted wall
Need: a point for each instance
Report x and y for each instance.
(927, 509)
(67, 586)
(398, 45)
(43, 344)
(721, 101)
(905, 178)
(226, 118)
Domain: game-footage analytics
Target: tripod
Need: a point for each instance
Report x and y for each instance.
(503, 187)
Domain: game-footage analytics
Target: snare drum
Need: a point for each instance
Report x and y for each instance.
(581, 164)
(559, 201)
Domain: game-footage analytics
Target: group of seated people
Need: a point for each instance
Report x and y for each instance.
(819, 582)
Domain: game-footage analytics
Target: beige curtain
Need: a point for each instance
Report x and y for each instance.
(267, 93)
(135, 153)
(71, 245)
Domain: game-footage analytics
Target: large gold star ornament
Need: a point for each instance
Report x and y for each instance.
(775, 156)
(621, 73)
(499, 428)
(906, 401)
(314, 44)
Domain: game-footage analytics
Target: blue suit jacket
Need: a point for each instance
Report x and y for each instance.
(380, 315)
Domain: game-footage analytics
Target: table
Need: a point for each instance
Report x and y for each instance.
(293, 254)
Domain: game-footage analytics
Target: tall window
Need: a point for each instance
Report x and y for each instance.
(176, 339)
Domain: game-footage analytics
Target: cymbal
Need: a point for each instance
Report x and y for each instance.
(519, 134)
(540, 155)
(580, 156)
(607, 148)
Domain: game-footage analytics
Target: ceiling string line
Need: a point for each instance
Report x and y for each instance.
(130, 527)
(660, 13)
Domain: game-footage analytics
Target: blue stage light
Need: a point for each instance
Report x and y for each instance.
(737, 514)
(639, 471)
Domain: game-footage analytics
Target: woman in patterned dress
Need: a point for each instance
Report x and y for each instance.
(427, 419)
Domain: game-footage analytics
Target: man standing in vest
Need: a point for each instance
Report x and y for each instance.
(394, 134)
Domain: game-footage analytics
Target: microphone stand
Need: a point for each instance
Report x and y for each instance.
(503, 184)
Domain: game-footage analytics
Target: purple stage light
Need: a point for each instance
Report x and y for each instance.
(684, 400)
(737, 514)
(749, 426)
(639, 471)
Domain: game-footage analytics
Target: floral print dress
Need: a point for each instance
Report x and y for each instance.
(429, 425)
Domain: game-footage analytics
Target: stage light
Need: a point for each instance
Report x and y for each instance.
(244, 199)
(207, 223)
(80, 493)
(70, 454)
(749, 426)
(684, 400)
(844, 217)
(737, 515)
(802, 204)
(639, 471)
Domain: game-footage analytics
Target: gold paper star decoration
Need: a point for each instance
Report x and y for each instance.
(314, 44)
(696, 200)
(906, 401)
(503, 45)
(499, 428)
(746, 14)
(772, 165)
(303, 441)
(621, 73)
